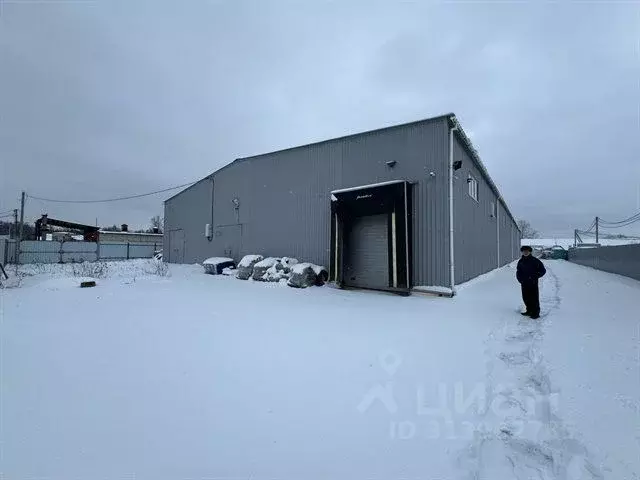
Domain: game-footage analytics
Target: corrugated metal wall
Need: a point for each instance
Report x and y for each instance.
(509, 237)
(283, 198)
(476, 229)
(620, 259)
(188, 213)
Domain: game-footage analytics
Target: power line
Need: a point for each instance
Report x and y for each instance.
(632, 219)
(591, 227)
(610, 236)
(116, 199)
(622, 225)
(627, 222)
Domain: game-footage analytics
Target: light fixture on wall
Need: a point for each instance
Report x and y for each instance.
(391, 163)
(457, 165)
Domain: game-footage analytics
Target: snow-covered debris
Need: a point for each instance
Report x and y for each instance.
(250, 260)
(320, 271)
(288, 261)
(281, 270)
(216, 260)
(215, 265)
(275, 273)
(305, 274)
(260, 268)
(230, 271)
(245, 267)
(267, 262)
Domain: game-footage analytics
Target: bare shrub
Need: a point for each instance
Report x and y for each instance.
(158, 267)
(90, 269)
(14, 281)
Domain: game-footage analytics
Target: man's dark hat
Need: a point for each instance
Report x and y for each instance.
(526, 247)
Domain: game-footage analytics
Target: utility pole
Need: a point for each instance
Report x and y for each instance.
(597, 221)
(21, 216)
(15, 223)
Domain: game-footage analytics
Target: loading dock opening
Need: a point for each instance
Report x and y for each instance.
(371, 237)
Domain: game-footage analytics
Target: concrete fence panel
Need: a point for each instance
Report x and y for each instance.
(79, 252)
(620, 259)
(3, 251)
(141, 251)
(11, 249)
(113, 251)
(34, 251)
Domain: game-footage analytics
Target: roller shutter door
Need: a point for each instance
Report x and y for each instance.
(367, 257)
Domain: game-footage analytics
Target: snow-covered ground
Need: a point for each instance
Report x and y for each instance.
(199, 376)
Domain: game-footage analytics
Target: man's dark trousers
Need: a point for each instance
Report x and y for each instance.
(531, 297)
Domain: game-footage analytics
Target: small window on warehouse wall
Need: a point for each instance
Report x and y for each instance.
(473, 187)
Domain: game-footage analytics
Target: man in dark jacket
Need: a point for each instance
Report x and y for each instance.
(530, 269)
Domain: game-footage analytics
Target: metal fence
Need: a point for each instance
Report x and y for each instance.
(620, 259)
(7, 251)
(33, 251)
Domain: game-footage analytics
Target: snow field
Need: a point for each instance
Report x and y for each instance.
(199, 376)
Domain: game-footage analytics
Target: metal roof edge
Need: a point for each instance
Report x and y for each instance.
(189, 187)
(389, 127)
(476, 157)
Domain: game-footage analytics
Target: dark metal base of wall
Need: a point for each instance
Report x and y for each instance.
(403, 292)
(353, 208)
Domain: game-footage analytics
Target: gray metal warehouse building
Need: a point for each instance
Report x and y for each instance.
(400, 208)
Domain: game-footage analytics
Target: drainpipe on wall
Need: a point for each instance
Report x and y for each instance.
(498, 227)
(452, 269)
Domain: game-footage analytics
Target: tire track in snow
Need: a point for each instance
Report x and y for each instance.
(521, 436)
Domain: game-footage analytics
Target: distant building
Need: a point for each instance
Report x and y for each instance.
(89, 233)
(130, 237)
(46, 229)
(61, 236)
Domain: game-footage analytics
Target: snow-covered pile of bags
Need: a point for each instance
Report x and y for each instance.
(245, 267)
(216, 265)
(281, 269)
(304, 275)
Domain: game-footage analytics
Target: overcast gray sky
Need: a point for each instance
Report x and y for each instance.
(107, 98)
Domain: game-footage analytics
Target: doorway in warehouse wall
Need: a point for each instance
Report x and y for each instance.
(371, 237)
(176, 246)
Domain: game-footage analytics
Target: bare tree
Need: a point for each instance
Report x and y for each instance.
(156, 222)
(527, 230)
